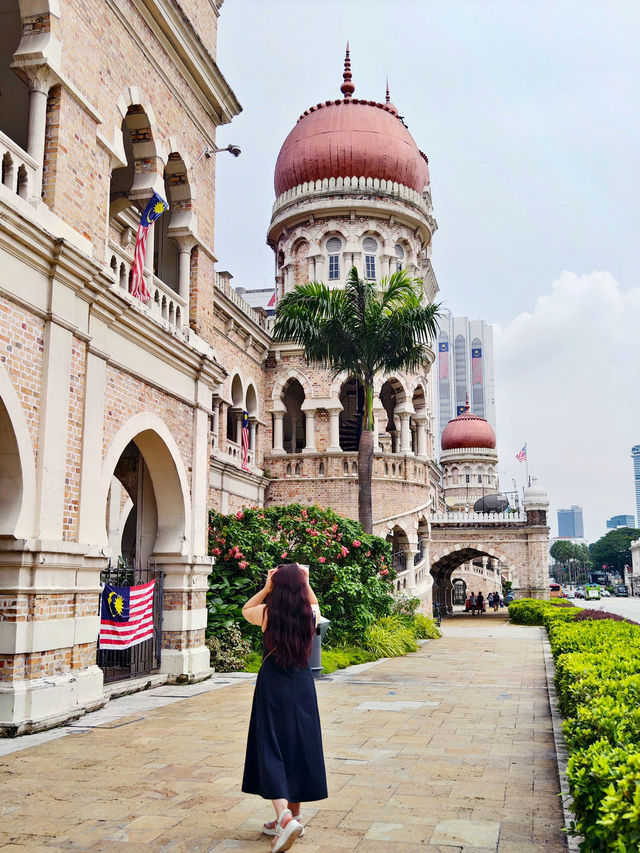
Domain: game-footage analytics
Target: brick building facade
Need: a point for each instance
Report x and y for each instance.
(120, 421)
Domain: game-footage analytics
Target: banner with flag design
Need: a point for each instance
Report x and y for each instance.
(521, 455)
(245, 441)
(154, 210)
(126, 615)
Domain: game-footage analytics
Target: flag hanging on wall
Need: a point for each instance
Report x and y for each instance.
(154, 210)
(245, 441)
(521, 455)
(126, 615)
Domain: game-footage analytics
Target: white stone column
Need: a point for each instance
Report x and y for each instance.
(334, 430)
(238, 416)
(421, 427)
(199, 474)
(252, 434)
(278, 433)
(91, 525)
(294, 429)
(40, 82)
(405, 432)
(185, 247)
(215, 424)
(310, 446)
(52, 440)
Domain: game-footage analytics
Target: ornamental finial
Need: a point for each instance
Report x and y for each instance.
(388, 99)
(347, 87)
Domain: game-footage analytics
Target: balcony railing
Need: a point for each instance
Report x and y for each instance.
(165, 306)
(18, 168)
(223, 285)
(479, 517)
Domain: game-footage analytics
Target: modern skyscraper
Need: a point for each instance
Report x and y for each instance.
(570, 524)
(635, 455)
(465, 370)
(620, 521)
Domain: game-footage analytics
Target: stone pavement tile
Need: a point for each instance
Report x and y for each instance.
(396, 831)
(480, 833)
(370, 845)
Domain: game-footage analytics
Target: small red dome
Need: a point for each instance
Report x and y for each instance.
(468, 430)
(350, 138)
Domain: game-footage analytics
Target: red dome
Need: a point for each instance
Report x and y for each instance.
(350, 138)
(468, 430)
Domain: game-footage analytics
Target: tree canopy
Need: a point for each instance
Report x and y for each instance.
(614, 548)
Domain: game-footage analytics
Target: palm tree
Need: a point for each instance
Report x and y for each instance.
(360, 330)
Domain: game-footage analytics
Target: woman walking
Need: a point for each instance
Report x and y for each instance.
(284, 761)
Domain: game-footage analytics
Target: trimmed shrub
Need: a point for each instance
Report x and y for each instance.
(534, 611)
(598, 685)
(587, 613)
(343, 656)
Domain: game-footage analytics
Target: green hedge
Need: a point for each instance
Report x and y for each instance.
(598, 685)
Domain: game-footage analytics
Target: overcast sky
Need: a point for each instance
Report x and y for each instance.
(529, 114)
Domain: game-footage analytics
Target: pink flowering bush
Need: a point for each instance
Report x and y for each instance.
(353, 584)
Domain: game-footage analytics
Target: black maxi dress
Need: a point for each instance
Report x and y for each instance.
(284, 758)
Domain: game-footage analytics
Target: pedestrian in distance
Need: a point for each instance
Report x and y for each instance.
(496, 601)
(490, 599)
(284, 761)
(473, 603)
(480, 603)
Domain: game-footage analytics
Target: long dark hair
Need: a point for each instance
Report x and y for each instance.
(290, 627)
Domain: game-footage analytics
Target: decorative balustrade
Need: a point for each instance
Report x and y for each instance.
(391, 466)
(18, 168)
(362, 185)
(234, 452)
(165, 306)
(479, 517)
(223, 285)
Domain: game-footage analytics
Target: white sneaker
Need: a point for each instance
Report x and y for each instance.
(287, 834)
(270, 828)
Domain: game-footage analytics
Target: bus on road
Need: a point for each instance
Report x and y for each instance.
(555, 590)
(592, 590)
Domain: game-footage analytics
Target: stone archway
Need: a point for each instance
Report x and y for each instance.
(17, 466)
(165, 474)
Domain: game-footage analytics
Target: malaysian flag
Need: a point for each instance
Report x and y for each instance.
(521, 456)
(126, 615)
(156, 207)
(245, 441)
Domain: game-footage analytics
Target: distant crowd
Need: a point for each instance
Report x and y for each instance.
(477, 604)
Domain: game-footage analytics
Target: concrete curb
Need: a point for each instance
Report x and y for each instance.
(562, 754)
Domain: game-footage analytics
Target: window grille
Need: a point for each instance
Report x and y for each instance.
(370, 266)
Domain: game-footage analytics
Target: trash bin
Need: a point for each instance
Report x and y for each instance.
(315, 661)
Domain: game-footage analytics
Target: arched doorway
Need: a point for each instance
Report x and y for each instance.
(459, 591)
(146, 523)
(352, 414)
(294, 425)
(391, 394)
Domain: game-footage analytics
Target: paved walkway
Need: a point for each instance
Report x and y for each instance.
(450, 749)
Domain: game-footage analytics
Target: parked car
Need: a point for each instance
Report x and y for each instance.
(622, 591)
(605, 593)
(570, 594)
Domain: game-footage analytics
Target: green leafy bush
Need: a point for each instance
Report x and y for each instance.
(425, 627)
(228, 651)
(344, 656)
(534, 611)
(349, 570)
(598, 685)
(390, 637)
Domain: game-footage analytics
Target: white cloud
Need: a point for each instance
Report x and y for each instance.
(568, 383)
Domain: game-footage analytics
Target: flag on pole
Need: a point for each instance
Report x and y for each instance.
(154, 210)
(521, 456)
(126, 615)
(245, 441)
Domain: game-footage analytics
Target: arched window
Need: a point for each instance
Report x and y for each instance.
(399, 257)
(334, 246)
(370, 247)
